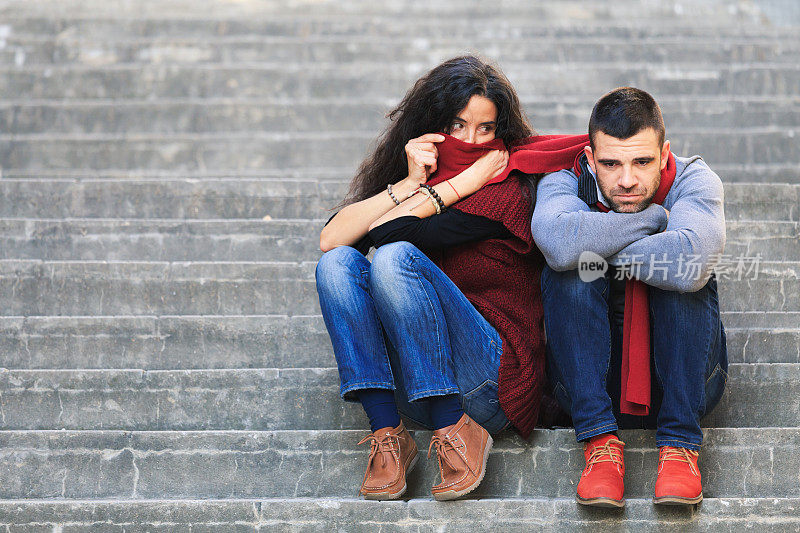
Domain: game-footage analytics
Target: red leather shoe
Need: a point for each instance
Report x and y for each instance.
(678, 481)
(602, 483)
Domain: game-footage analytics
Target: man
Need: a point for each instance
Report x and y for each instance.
(639, 345)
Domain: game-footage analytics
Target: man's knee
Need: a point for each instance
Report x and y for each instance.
(567, 287)
(667, 299)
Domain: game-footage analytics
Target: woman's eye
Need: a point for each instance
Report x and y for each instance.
(456, 126)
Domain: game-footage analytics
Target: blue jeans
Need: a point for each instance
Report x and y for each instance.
(400, 323)
(689, 359)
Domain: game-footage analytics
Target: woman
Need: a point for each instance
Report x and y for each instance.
(445, 324)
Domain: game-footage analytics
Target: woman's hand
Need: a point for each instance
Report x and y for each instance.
(489, 166)
(421, 154)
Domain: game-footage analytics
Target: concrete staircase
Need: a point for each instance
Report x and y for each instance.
(164, 363)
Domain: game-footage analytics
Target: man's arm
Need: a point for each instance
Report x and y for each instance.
(682, 257)
(563, 226)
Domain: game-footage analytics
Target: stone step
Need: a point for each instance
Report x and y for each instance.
(564, 10)
(461, 23)
(757, 395)
(294, 196)
(773, 241)
(385, 80)
(740, 463)
(274, 240)
(67, 49)
(228, 115)
(270, 341)
(418, 515)
(267, 150)
(60, 288)
(781, 172)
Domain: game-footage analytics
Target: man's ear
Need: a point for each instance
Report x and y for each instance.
(590, 158)
(664, 154)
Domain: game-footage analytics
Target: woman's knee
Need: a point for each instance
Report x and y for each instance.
(390, 259)
(336, 266)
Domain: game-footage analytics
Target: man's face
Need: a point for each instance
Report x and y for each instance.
(628, 170)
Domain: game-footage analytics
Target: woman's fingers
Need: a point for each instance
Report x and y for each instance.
(424, 147)
(503, 163)
(429, 137)
(425, 142)
(423, 157)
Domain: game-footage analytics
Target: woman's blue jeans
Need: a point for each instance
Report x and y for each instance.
(400, 323)
(689, 359)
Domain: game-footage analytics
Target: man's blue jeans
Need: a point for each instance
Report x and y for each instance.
(689, 360)
(400, 323)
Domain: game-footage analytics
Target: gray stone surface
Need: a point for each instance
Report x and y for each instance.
(214, 115)
(741, 462)
(158, 234)
(557, 11)
(173, 199)
(417, 515)
(379, 79)
(148, 342)
(267, 240)
(245, 288)
(757, 395)
(162, 240)
(268, 150)
(276, 341)
(733, 173)
(472, 21)
(292, 197)
(110, 51)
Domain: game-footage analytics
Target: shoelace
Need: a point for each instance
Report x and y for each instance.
(441, 443)
(384, 443)
(605, 453)
(683, 455)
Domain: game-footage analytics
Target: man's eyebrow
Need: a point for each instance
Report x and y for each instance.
(486, 123)
(646, 158)
(606, 161)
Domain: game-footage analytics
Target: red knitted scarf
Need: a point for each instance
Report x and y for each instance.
(537, 154)
(500, 277)
(635, 386)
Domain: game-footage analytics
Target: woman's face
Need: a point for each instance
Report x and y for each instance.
(477, 122)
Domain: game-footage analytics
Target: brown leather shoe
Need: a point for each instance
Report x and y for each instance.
(462, 450)
(392, 455)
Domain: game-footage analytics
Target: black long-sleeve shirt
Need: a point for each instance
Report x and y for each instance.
(451, 228)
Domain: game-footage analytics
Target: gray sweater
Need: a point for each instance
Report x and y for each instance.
(677, 254)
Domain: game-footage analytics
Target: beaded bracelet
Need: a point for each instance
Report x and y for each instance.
(424, 190)
(436, 196)
(389, 189)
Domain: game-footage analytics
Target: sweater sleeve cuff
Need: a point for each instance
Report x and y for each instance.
(656, 218)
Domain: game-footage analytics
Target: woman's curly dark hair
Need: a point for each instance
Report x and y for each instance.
(429, 107)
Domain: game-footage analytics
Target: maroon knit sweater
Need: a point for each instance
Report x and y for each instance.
(500, 277)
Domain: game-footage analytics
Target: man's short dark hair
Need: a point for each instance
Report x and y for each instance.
(624, 112)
